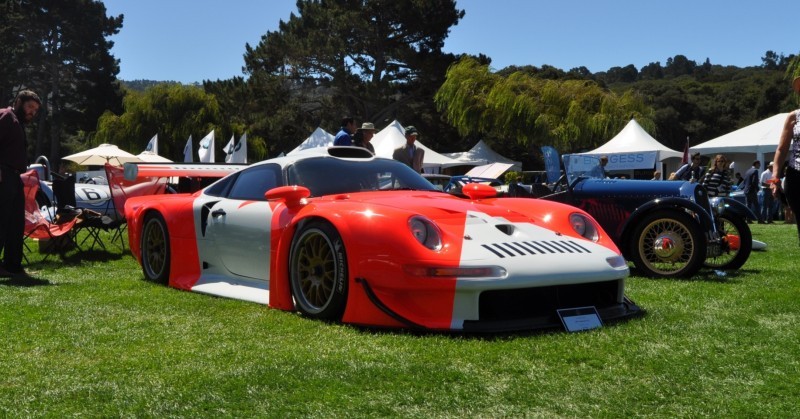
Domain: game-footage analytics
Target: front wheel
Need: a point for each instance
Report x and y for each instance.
(318, 271)
(667, 244)
(155, 249)
(737, 243)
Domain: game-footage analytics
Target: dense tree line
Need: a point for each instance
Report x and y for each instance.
(60, 49)
(318, 66)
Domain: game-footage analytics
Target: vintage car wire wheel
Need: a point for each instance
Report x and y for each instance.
(668, 243)
(155, 248)
(318, 271)
(737, 246)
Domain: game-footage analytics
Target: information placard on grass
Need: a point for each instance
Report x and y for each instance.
(580, 318)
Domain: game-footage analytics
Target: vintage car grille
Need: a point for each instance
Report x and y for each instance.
(534, 247)
(515, 304)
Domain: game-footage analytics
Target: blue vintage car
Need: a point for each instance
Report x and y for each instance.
(666, 228)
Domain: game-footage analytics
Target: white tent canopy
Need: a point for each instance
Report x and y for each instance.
(755, 141)
(633, 148)
(481, 153)
(393, 136)
(318, 138)
(150, 157)
(491, 170)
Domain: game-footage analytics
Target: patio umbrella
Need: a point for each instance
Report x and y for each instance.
(150, 157)
(102, 154)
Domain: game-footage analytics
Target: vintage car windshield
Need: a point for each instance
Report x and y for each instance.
(577, 166)
(326, 176)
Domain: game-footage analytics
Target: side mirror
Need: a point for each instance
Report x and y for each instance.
(293, 196)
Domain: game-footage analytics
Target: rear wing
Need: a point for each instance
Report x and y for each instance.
(203, 170)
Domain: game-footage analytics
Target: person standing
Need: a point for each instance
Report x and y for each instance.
(599, 171)
(691, 171)
(343, 137)
(787, 160)
(716, 180)
(768, 205)
(750, 187)
(364, 136)
(13, 162)
(409, 153)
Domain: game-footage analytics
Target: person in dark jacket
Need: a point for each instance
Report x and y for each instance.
(14, 161)
(750, 188)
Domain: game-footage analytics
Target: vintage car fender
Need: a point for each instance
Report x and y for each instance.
(726, 205)
(703, 217)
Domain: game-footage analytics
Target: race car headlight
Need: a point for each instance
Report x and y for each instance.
(426, 233)
(584, 226)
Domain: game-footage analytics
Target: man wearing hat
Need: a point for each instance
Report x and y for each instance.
(769, 202)
(364, 135)
(409, 153)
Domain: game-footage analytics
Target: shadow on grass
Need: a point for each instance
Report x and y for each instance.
(25, 281)
(74, 258)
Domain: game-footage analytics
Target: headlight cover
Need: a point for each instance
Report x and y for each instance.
(584, 226)
(426, 232)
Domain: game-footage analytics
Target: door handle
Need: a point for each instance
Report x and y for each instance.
(218, 213)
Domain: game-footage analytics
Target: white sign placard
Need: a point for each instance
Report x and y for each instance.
(580, 318)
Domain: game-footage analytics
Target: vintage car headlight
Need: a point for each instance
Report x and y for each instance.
(583, 226)
(425, 232)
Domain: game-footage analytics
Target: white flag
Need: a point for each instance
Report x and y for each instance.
(240, 150)
(206, 150)
(152, 146)
(228, 150)
(187, 151)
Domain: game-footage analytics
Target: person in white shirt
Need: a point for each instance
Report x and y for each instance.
(769, 202)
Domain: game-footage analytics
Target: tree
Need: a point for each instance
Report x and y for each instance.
(59, 49)
(174, 112)
(568, 114)
(371, 59)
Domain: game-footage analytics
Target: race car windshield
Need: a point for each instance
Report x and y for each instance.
(328, 176)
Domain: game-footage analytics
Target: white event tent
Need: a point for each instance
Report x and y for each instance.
(481, 153)
(633, 148)
(393, 136)
(318, 138)
(757, 141)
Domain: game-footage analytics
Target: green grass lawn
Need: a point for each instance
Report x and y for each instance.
(89, 337)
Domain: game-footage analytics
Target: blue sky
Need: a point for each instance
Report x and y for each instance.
(195, 40)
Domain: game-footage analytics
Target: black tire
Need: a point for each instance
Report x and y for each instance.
(155, 250)
(318, 271)
(732, 257)
(667, 243)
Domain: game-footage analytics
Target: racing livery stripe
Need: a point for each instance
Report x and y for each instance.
(511, 249)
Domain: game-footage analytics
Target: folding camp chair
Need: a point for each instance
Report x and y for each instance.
(58, 234)
(121, 189)
(92, 223)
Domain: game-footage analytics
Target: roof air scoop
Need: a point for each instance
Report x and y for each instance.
(508, 229)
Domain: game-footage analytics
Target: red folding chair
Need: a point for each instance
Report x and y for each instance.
(37, 226)
(121, 189)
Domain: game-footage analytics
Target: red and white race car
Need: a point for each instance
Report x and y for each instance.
(343, 235)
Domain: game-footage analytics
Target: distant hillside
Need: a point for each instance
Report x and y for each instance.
(142, 85)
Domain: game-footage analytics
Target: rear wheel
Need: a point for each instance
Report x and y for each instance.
(155, 249)
(667, 244)
(318, 271)
(737, 243)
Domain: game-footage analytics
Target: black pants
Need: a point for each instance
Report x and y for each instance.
(12, 219)
(792, 193)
